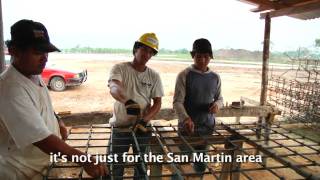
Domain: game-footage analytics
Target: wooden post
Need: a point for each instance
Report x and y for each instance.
(2, 63)
(265, 69)
(265, 61)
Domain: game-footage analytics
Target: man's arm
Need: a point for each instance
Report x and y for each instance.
(154, 109)
(63, 130)
(62, 126)
(218, 99)
(178, 102)
(117, 91)
(53, 144)
(179, 96)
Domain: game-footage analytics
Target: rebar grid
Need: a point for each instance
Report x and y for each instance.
(297, 91)
(286, 155)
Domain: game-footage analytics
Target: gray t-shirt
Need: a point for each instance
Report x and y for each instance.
(138, 86)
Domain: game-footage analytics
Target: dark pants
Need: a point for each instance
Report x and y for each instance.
(121, 143)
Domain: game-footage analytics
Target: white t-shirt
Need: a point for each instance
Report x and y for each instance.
(26, 117)
(138, 86)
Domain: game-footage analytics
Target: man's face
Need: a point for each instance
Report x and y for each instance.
(31, 61)
(143, 54)
(201, 61)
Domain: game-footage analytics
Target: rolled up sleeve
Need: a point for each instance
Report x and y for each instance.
(115, 73)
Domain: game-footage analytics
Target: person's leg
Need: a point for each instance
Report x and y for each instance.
(202, 130)
(143, 141)
(200, 167)
(120, 143)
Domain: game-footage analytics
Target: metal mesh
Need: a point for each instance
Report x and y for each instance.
(284, 155)
(297, 91)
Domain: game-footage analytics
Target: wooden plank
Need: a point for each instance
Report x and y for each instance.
(264, 3)
(102, 117)
(250, 111)
(98, 117)
(310, 6)
(250, 101)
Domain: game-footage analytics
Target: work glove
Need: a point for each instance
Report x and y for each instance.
(140, 127)
(132, 107)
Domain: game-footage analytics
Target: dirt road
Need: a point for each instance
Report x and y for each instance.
(94, 95)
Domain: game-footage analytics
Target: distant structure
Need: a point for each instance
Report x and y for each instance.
(297, 91)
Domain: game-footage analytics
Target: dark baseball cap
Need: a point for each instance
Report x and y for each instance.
(28, 33)
(202, 46)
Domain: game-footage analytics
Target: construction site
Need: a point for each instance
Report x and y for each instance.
(264, 148)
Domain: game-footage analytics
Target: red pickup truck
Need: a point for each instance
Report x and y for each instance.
(57, 79)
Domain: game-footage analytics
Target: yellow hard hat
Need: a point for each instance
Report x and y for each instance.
(150, 40)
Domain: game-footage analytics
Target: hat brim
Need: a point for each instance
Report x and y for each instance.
(194, 52)
(47, 47)
(201, 51)
(149, 46)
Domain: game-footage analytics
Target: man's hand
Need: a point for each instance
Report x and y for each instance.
(96, 170)
(140, 126)
(214, 108)
(132, 108)
(63, 131)
(62, 127)
(188, 126)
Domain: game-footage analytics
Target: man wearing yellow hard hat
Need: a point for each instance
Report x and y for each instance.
(137, 90)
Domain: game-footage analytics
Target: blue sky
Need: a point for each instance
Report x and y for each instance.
(177, 23)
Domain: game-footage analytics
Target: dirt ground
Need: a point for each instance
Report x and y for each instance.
(93, 95)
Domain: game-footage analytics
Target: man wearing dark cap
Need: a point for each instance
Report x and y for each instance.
(29, 130)
(198, 96)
